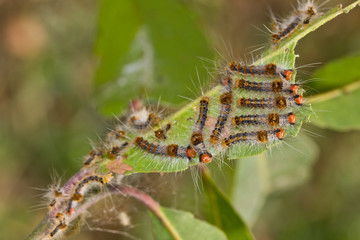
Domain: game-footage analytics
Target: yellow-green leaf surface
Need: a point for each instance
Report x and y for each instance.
(185, 227)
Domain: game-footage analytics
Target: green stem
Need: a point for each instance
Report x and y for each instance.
(334, 93)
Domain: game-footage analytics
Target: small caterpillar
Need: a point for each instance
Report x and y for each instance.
(116, 151)
(197, 138)
(137, 122)
(80, 189)
(310, 12)
(272, 119)
(61, 226)
(269, 70)
(274, 86)
(300, 17)
(225, 100)
(161, 132)
(278, 102)
(115, 135)
(91, 156)
(294, 24)
(262, 136)
(171, 150)
(54, 194)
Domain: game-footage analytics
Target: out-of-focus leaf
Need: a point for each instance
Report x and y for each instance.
(250, 186)
(290, 164)
(337, 74)
(149, 49)
(186, 225)
(285, 167)
(338, 109)
(341, 113)
(222, 214)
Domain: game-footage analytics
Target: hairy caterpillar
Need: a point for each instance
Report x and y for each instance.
(267, 70)
(274, 86)
(197, 138)
(272, 119)
(83, 186)
(225, 100)
(280, 102)
(171, 150)
(300, 17)
(161, 132)
(262, 136)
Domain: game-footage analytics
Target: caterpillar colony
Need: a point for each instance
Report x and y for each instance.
(253, 107)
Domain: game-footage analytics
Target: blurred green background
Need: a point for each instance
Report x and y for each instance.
(55, 90)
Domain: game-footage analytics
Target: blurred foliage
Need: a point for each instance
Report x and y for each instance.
(187, 227)
(148, 49)
(339, 108)
(48, 113)
(222, 214)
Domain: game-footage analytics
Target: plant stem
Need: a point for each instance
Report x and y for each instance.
(334, 93)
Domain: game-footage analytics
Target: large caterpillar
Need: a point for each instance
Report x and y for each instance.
(280, 102)
(267, 70)
(276, 86)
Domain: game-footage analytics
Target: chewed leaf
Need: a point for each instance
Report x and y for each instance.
(185, 227)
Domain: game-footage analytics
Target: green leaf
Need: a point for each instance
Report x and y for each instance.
(337, 73)
(283, 168)
(222, 214)
(338, 108)
(184, 119)
(186, 225)
(147, 48)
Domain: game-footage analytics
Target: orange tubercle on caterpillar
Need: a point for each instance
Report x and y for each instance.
(280, 134)
(294, 89)
(292, 118)
(299, 100)
(70, 211)
(288, 74)
(190, 152)
(205, 158)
